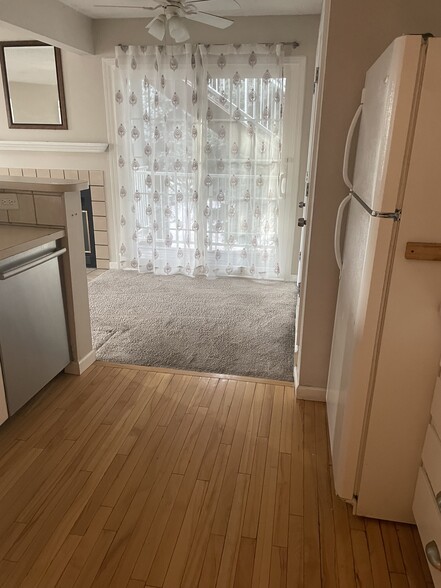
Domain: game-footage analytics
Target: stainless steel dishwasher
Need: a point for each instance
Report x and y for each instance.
(33, 335)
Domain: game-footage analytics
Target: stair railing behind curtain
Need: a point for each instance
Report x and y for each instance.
(199, 147)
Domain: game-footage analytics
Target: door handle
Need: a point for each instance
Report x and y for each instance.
(31, 264)
(337, 232)
(348, 146)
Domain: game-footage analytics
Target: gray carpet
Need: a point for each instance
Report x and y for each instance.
(230, 326)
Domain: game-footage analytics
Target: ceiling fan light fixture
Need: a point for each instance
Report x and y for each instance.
(177, 29)
(156, 27)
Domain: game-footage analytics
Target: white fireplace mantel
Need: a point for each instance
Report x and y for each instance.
(59, 146)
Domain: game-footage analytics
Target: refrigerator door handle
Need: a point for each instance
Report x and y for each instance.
(337, 232)
(348, 145)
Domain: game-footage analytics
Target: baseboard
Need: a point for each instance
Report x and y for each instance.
(113, 265)
(311, 393)
(308, 392)
(78, 367)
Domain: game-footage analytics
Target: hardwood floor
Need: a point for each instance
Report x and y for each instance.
(131, 477)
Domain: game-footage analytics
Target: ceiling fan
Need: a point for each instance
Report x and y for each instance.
(173, 14)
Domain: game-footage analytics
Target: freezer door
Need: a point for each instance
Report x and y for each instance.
(388, 101)
(360, 298)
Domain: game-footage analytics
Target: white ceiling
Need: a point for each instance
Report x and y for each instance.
(220, 7)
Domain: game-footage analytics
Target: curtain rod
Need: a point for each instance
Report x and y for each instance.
(293, 44)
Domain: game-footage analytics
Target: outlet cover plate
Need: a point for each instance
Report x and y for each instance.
(8, 201)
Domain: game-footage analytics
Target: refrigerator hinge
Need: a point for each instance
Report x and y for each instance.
(316, 79)
(395, 216)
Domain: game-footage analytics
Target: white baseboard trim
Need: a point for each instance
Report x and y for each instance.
(308, 392)
(78, 367)
(311, 393)
(113, 265)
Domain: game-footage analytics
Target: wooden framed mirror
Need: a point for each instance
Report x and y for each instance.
(33, 85)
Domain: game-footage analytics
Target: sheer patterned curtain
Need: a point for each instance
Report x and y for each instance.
(199, 158)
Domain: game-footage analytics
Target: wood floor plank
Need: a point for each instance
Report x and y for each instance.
(245, 563)
(328, 556)
(211, 564)
(201, 541)
(136, 522)
(95, 559)
(398, 580)
(287, 422)
(199, 393)
(411, 560)
(267, 407)
(59, 562)
(281, 514)
(297, 469)
(190, 441)
(278, 572)
(31, 549)
(85, 546)
(226, 498)
(311, 529)
(392, 547)
(421, 555)
(157, 528)
(186, 536)
(236, 390)
(209, 391)
(161, 562)
(295, 552)
(363, 570)
(377, 554)
(207, 465)
(147, 478)
(343, 543)
(262, 561)
(252, 511)
(230, 553)
(246, 462)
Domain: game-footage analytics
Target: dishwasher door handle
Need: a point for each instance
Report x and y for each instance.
(10, 273)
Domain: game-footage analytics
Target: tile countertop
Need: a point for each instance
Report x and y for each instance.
(41, 184)
(17, 239)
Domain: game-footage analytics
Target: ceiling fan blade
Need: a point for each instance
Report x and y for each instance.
(210, 19)
(125, 6)
(212, 2)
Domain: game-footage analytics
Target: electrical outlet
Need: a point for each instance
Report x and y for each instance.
(8, 201)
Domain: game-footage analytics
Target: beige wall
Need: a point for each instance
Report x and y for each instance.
(359, 31)
(257, 29)
(49, 21)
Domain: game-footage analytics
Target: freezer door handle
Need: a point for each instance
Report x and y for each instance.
(337, 232)
(348, 146)
(10, 273)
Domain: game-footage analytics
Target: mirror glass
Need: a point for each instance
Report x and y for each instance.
(32, 81)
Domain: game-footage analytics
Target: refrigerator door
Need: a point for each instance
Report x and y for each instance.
(360, 297)
(388, 100)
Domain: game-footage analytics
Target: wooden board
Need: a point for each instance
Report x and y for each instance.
(423, 251)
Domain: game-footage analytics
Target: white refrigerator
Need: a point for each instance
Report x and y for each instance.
(387, 333)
